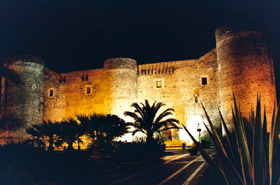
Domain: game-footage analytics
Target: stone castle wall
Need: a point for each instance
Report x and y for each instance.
(23, 102)
(123, 84)
(241, 64)
(245, 68)
(70, 97)
(181, 85)
(103, 91)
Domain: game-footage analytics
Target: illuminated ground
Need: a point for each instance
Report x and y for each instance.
(178, 167)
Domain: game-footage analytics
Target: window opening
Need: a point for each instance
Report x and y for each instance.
(204, 80)
(88, 90)
(51, 92)
(159, 84)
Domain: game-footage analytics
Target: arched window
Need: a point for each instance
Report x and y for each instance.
(196, 98)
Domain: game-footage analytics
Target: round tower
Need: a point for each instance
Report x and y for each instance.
(24, 101)
(246, 69)
(122, 78)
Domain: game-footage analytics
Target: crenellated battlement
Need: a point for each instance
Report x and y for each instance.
(162, 68)
(157, 68)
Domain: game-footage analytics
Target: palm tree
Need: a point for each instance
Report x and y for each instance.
(149, 121)
(48, 132)
(103, 127)
(71, 132)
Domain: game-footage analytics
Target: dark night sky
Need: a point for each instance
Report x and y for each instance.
(81, 34)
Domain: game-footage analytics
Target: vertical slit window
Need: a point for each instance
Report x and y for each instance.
(51, 92)
(204, 80)
(88, 90)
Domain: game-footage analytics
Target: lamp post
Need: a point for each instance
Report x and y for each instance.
(198, 130)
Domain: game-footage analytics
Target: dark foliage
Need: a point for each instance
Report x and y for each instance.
(71, 132)
(139, 151)
(148, 121)
(103, 127)
(45, 134)
(10, 124)
(24, 164)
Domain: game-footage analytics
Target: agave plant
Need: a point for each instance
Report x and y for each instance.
(249, 155)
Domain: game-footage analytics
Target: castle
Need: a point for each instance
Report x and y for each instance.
(240, 63)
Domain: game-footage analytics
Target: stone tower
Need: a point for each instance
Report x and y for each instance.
(245, 68)
(23, 102)
(122, 77)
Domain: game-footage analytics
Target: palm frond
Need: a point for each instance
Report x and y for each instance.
(146, 119)
(164, 114)
(132, 115)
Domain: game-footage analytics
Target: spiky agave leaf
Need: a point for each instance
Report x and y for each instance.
(270, 144)
(242, 146)
(273, 150)
(216, 138)
(206, 157)
(230, 142)
(228, 169)
(257, 149)
(266, 150)
(263, 168)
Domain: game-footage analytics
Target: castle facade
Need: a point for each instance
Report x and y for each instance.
(241, 64)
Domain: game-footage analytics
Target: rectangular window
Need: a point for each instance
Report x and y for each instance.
(88, 89)
(204, 80)
(159, 84)
(51, 92)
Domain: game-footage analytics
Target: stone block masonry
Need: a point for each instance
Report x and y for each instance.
(241, 63)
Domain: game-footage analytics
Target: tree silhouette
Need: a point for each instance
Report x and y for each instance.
(71, 132)
(149, 121)
(103, 127)
(48, 132)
